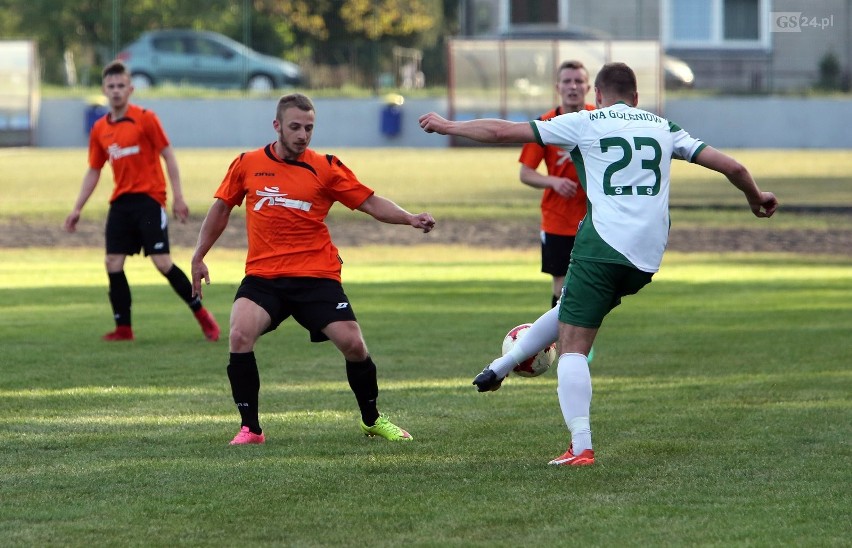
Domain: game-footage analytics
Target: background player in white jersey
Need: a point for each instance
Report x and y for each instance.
(623, 157)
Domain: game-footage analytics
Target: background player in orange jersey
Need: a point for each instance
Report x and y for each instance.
(563, 203)
(132, 140)
(292, 266)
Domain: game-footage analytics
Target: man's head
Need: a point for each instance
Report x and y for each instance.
(616, 82)
(116, 85)
(294, 100)
(115, 67)
(294, 124)
(572, 84)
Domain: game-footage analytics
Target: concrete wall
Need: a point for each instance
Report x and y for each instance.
(247, 123)
(765, 122)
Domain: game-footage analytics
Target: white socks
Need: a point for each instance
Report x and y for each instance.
(543, 333)
(575, 398)
(574, 386)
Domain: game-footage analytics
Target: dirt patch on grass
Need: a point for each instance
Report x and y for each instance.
(21, 233)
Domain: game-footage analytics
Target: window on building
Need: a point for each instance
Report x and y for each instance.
(716, 23)
(480, 16)
(741, 20)
(691, 19)
(542, 11)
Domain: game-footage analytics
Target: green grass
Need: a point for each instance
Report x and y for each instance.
(453, 183)
(721, 412)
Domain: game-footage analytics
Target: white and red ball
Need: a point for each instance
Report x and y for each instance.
(534, 366)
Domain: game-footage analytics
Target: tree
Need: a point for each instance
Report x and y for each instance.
(829, 72)
(361, 33)
(356, 33)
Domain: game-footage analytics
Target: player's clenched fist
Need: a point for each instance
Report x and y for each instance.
(433, 123)
(423, 221)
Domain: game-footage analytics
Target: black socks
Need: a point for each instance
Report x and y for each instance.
(183, 287)
(362, 381)
(245, 387)
(119, 293)
(119, 297)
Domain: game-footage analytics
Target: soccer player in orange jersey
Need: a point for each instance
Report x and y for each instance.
(292, 266)
(563, 203)
(132, 140)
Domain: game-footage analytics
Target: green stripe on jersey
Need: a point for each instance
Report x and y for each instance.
(537, 134)
(701, 147)
(589, 245)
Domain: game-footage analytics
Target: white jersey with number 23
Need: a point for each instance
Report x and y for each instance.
(623, 158)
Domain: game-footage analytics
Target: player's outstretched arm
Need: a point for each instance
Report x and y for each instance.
(763, 204)
(386, 211)
(486, 130)
(211, 228)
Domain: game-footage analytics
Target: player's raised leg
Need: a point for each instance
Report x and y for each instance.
(183, 287)
(543, 332)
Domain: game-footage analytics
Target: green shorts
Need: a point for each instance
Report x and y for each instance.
(592, 289)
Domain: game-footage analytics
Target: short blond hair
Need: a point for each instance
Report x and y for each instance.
(572, 64)
(302, 102)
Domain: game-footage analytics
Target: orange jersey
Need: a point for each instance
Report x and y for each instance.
(132, 146)
(559, 215)
(286, 205)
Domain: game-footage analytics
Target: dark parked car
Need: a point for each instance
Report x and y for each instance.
(204, 59)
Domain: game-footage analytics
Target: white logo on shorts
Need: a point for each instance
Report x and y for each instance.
(341, 306)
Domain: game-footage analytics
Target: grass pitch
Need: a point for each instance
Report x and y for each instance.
(721, 413)
(453, 183)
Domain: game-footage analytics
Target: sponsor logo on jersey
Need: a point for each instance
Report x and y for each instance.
(272, 196)
(563, 156)
(115, 152)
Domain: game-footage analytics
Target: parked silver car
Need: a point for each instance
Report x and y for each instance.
(676, 72)
(205, 59)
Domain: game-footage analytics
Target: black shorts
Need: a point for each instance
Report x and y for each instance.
(313, 302)
(134, 222)
(555, 253)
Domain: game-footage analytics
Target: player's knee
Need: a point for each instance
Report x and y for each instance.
(241, 340)
(163, 263)
(353, 348)
(114, 263)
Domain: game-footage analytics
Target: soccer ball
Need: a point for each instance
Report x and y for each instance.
(534, 366)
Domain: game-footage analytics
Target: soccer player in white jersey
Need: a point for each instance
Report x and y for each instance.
(623, 156)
